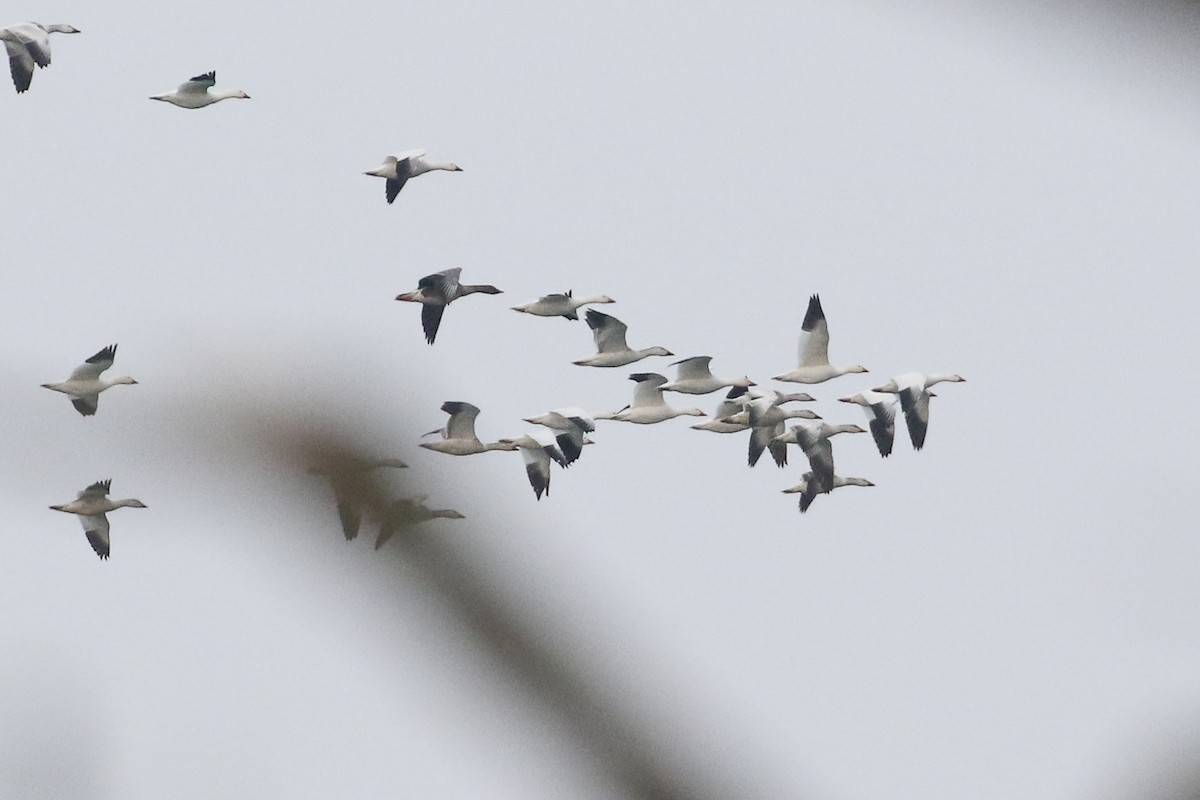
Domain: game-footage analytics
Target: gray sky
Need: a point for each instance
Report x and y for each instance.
(1007, 194)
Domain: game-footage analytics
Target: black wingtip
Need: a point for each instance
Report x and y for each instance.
(815, 313)
(106, 354)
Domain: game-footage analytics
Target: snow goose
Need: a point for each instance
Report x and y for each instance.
(350, 489)
(407, 512)
(399, 167)
(537, 449)
(612, 351)
(28, 44)
(458, 437)
(92, 505)
(734, 402)
(765, 417)
(561, 305)
(807, 495)
(813, 438)
(649, 406)
(814, 350)
(913, 390)
(84, 386)
(694, 377)
(572, 424)
(880, 408)
(194, 93)
(435, 292)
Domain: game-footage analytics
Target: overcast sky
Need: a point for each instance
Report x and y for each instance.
(1003, 190)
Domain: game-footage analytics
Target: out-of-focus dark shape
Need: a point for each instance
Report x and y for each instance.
(632, 759)
(406, 512)
(353, 487)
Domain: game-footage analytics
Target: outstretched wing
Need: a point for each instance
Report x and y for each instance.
(914, 401)
(462, 419)
(694, 368)
(392, 186)
(442, 285)
(814, 336)
(647, 392)
(199, 84)
(86, 404)
(431, 320)
(90, 370)
(20, 63)
(608, 331)
(96, 529)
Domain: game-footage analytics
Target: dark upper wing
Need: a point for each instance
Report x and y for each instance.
(20, 63)
(392, 186)
(86, 405)
(351, 519)
(431, 318)
(914, 402)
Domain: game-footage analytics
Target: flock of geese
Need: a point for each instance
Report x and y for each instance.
(562, 433)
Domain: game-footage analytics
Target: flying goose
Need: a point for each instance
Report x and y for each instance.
(814, 350)
(572, 424)
(612, 351)
(435, 292)
(561, 305)
(350, 488)
(807, 495)
(880, 408)
(85, 385)
(407, 512)
(537, 449)
(458, 437)
(28, 44)
(813, 438)
(649, 406)
(399, 167)
(733, 415)
(91, 505)
(913, 390)
(194, 93)
(693, 377)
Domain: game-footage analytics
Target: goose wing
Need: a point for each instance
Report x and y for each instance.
(647, 392)
(441, 285)
(461, 424)
(20, 64)
(883, 425)
(392, 186)
(608, 331)
(814, 336)
(90, 370)
(97, 490)
(431, 320)
(86, 404)
(537, 469)
(694, 368)
(199, 84)
(96, 529)
(914, 401)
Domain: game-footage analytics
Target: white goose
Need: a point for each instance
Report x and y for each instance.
(28, 45)
(399, 167)
(814, 350)
(572, 424)
(407, 512)
(913, 390)
(458, 437)
(561, 305)
(694, 377)
(766, 417)
(537, 449)
(880, 408)
(807, 495)
(813, 438)
(648, 405)
(85, 385)
(91, 505)
(612, 351)
(194, 93)
(733, 415)
(348, 478)
(435, 292)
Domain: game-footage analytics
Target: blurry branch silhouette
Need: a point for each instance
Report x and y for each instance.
(631, 758)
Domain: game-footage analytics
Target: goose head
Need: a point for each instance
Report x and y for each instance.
(656, 351)
(123, 379)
